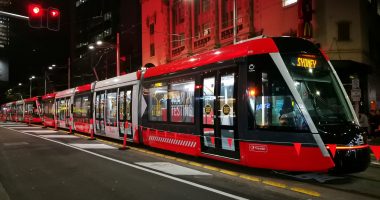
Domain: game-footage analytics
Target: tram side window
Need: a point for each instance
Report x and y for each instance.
(20, 109)
(270, 101)
(48, 108)
(158, 102)
(77, 107)
(86, 107)
(181, 102)
(111, 108)
(62, 109)
(125, 104)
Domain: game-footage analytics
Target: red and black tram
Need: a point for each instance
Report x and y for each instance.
(250, 104)
(273, 103)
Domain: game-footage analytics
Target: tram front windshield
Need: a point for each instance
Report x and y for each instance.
(318, 87)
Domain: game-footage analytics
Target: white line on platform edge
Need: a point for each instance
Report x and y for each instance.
(141, 168)
(60, 136)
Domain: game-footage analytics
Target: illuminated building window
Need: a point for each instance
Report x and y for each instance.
(343, 31)
(288, 2)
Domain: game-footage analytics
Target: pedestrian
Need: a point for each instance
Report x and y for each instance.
(377, 123)
(372, 122)
(363, 120)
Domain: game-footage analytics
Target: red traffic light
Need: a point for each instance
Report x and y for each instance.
(54, 12)
(35, 10)
(53, 19)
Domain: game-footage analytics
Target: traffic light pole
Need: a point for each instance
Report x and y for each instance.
(7, 14)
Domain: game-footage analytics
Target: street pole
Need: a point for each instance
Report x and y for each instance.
(68, 73)
(117, 54)
(45, 82)
(234, 21)
(30, 88)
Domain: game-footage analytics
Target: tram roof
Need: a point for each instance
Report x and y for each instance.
(65, 93)
(119, 81)
(31, 99)
(83, 88)
(48, 96)
(252, 47)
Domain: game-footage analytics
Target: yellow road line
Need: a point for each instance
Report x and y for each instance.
(195, 164)
(211, 168)
(275, 184)
(304, 191)
(250, 178)
(229, 172)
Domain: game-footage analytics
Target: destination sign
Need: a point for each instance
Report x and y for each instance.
(306, 62)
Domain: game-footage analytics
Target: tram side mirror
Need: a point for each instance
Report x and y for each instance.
(71, 108)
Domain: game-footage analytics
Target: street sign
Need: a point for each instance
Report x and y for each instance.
(355, 83)
(356, 94)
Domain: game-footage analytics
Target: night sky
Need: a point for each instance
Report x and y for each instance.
(33, 50)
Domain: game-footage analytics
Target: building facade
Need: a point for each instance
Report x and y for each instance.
(101, 20)
(4, 42)
(345, 29)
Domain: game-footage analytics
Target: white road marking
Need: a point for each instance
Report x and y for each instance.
(60, 136)
(39, 131)
(92, 146)
(171, 168)
(15, 143)
(25, 127)
(14, 125)
(375, 162)
(143, 169)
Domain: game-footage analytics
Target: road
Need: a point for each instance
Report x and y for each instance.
(38, 163)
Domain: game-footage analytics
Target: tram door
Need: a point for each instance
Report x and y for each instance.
(99, 112)
(219, 119)
(125, 112)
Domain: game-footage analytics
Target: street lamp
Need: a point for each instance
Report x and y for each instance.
(99, 44)
(52, 67)
(30, 86)
(19, 84)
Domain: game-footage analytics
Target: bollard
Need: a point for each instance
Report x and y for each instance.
(92, 131)
(124, 147)
(56, 125)
(70, 129)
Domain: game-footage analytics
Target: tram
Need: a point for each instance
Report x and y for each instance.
(32, 110)
(47, 105)
(82, 112)
(20, 111)
(250, 104)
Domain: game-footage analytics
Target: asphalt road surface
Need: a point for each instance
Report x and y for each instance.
(38, 163)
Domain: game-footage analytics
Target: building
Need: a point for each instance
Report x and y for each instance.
(101, 20)
(4, 42)
(345, 29)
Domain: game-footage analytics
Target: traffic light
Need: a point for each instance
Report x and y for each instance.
(53, 19)
(35, 13)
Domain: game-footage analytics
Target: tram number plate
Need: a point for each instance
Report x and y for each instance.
(258, 148)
